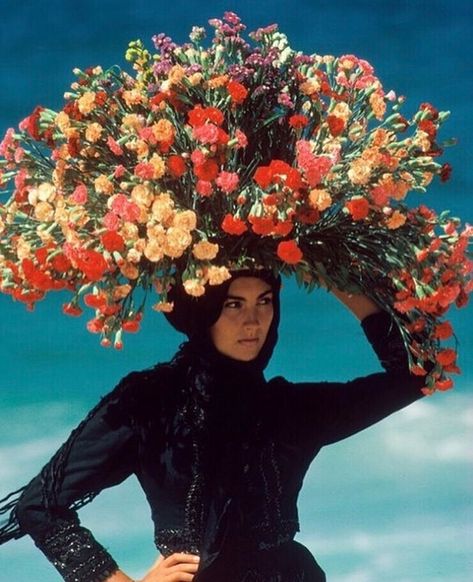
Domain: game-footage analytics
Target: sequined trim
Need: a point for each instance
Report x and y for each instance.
(169, 541)
(76, 554)
(269, 535)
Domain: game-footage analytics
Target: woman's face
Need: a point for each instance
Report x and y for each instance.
(243, 325)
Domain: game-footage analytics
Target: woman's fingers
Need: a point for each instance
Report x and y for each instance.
(181, 558)
(179, 567)
(179, 577)
(183, 567)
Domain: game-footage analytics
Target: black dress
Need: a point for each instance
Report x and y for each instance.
(220, 456)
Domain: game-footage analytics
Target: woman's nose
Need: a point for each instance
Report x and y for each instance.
(251, 320)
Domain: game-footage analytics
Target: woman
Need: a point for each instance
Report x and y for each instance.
(220, 453)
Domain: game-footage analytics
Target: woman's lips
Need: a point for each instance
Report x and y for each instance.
(249, 341)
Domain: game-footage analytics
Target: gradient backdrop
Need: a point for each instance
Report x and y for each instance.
(390, 505)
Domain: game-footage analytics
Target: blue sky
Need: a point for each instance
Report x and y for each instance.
(392, 504)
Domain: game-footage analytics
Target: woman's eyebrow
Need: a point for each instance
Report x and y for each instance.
(237, 297)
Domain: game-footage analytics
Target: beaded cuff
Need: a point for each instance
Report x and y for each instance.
(77, 556)
(169, 541)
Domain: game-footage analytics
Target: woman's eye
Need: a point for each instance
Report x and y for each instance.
(232, 304)
(266, 301)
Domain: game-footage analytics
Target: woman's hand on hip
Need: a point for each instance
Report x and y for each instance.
(174, 568)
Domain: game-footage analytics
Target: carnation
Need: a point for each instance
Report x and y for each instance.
(192, 164)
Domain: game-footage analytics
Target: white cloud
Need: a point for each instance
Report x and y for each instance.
(432, 431)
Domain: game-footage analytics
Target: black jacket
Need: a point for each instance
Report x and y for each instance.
(223, 467)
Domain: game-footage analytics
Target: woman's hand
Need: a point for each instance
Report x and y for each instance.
(174, 568)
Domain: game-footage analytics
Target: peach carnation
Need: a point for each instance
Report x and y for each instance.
(205, 250)
(320, 199)
(359, 172)
(86, 103)
(396, 220)
(194, 287)
(103, 185)
(176, 242)
(186, 220)
(93, 132)
(217, 275)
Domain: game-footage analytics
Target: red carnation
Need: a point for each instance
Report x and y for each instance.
(445, 384)
(283, 228)
(177, 166)
(131, 326)
(30, 123)
(298, 121)
(446, 357)
(112, 241)
(233, 225)
(289, 252)
(207, 171)
(263, 176)
(214, 115)
(358, 207)
(431, 109)
(96, 301)
(443, 330)
(445, 172)
(429, 128)
(199, 115)
(262, 225)
(91, 263)
(71, 309)
(237, 91)
(61, 263)
(336, 125)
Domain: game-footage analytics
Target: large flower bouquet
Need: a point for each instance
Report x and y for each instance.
(231, 156)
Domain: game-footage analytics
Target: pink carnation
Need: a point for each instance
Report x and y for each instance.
(114, 147)
(207, 133)
(19, 154)
(227, 181)
(204, 188)
(315, 168)
(147, 134)
(198, 157)
(119, 171)
(241, 138)
(144, 171)
(20, 179)
(111, 221)
(79, 196)
(7, 143)
(124, 208)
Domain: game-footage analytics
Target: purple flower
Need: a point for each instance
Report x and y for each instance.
(164, 44)
(162, 67)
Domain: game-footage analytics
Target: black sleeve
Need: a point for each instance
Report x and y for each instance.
(100, 452)
(328, 412)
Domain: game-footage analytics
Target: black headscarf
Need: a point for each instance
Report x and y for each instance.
(194, 316)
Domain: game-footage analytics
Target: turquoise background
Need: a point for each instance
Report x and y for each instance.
(392, 504)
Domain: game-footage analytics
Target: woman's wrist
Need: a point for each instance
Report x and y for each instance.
(120, 576)
(360, 305)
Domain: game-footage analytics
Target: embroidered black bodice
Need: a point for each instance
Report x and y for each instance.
(221, 464)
